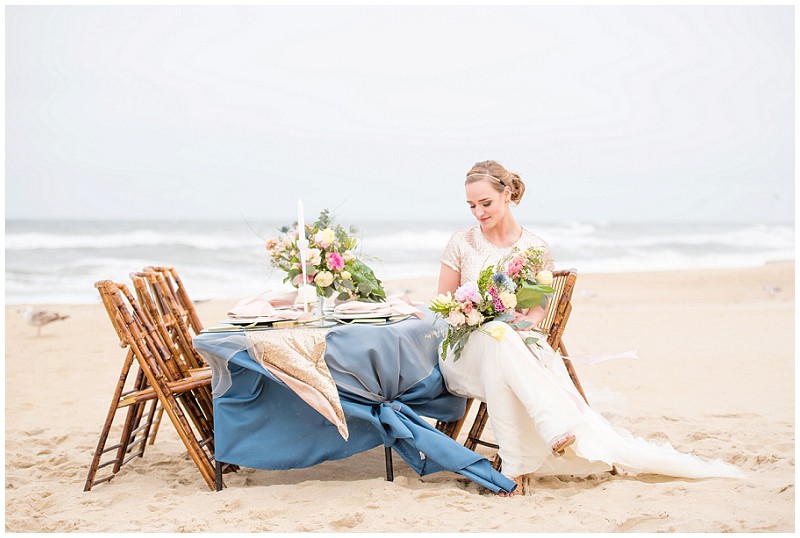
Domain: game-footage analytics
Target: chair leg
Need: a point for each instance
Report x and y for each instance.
(571, 371)
(387, 451)
(452, 429)
(159, 412)
(100, 450)
(497, 462)
(477, 427)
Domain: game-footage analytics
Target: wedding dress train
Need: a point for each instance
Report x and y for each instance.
(531, 401)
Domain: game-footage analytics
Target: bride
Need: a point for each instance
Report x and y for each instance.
(539, 419)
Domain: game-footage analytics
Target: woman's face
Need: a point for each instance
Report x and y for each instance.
(488, 205)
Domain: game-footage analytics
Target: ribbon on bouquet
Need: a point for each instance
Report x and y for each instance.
(297, 357)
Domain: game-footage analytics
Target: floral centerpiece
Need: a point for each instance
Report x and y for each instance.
(331, 266)
(515, 282)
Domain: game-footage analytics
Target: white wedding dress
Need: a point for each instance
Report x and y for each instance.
(531, 399)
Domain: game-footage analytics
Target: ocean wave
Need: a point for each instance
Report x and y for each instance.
(138, 238)
(570, 235)
(225, 261)
(430, 240)
(756, 238)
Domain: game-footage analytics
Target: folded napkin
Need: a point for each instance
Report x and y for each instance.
(394, 306)
(266, 304)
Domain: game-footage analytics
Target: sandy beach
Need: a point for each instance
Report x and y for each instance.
(715, 377)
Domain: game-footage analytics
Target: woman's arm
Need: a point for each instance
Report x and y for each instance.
(449, 279)
(535, 315)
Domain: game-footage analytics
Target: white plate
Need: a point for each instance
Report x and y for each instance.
(360, 315)
(251, 321)
(380, 319)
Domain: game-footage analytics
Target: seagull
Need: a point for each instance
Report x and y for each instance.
(772, 290)
(39, 318)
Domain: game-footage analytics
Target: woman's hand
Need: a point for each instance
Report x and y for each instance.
(533, 315)
(520, 317)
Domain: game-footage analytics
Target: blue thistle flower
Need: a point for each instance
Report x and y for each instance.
(502, 281)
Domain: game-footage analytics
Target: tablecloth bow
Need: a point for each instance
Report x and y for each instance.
(266, 304)
(394, 306)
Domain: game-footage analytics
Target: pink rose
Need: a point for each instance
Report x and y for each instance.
(335, 261)
(456, 318)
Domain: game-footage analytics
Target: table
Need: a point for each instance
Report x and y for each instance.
(387, 377)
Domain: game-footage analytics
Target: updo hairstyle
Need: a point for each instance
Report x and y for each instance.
(498, 177)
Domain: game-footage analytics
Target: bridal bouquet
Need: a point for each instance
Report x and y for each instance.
(330, 263)
(515, 282)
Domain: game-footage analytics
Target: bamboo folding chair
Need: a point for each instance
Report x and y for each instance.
(166, 316)
(165, 381)
(553, 325)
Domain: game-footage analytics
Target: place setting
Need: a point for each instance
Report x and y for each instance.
(332, 285)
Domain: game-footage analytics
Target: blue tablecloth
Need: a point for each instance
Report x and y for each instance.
(387, 376)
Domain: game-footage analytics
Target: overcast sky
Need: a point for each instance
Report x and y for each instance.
(619, 113)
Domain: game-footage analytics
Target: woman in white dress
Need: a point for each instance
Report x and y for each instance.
(540, 421)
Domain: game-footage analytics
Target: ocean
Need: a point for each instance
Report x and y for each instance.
(57, 262)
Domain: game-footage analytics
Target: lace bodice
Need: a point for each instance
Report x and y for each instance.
(468, 252)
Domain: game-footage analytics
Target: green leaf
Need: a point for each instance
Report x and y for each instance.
(484, 277)
(506, 317)
(522, 325)
(365, 280)
(530, 340)
(364, 288)
(529, 294)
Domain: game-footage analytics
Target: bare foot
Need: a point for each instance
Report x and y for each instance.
(562, 443)
(519, 490)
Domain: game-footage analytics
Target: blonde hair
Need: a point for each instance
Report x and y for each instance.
(499, 177)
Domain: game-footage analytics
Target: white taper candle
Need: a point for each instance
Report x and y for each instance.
(302, 243)
(301, 222)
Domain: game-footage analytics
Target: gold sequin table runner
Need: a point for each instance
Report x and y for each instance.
(297, 357)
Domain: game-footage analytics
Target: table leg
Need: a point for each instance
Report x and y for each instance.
(218, 474)
(389, 467)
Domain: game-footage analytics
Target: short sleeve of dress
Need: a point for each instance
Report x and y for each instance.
(452, 253)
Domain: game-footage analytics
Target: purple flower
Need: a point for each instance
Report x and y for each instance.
(498, 304)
